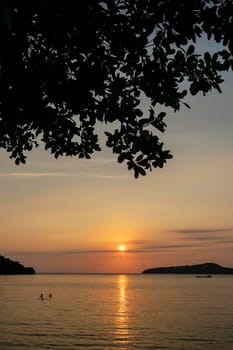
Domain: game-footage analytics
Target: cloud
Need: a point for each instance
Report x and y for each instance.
(212, 235)
(144, 250)
(200, 230)
(207, 238)
(155, 248)
(92, 173)
(99, 176)
(38, 174)
(224, 241)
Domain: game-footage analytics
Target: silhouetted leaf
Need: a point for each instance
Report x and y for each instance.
(138, 112)
(121, 158)
(190, 50)
(141, 171)
(187, 105)
(207, 57)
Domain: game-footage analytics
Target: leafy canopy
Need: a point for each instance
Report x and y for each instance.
(66, 66)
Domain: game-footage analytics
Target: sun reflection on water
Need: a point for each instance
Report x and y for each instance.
(122, 317)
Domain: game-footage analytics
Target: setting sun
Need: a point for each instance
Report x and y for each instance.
(122, 248)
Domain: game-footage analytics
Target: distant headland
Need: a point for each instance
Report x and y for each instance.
(10, 267)
(206, 268)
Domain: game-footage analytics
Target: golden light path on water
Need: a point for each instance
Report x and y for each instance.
(122, 316)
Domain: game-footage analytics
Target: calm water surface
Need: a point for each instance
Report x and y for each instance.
(116, 312)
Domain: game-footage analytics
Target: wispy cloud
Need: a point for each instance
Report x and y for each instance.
(90, 174)
(103, 176)
(144, 250)
(38, 174)
(212, 235)
(200, 230)
(204, 238)
(187, 238)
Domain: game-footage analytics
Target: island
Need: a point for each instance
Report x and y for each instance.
(10, 267)
(200, 269)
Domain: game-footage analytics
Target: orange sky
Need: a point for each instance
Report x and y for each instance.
(70, 215)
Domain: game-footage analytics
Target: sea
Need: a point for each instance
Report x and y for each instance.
(111, 311)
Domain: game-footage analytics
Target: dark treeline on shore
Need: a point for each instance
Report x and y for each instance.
(10, 267)
(206, 268)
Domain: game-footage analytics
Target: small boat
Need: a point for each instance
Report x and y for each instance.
(203, 276)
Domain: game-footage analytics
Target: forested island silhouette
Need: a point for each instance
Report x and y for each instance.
(10, 267)
(205, 268)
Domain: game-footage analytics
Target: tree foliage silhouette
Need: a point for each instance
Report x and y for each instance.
(10, 267)
(66, 66)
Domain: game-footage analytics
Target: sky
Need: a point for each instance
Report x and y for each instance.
(71, 215)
